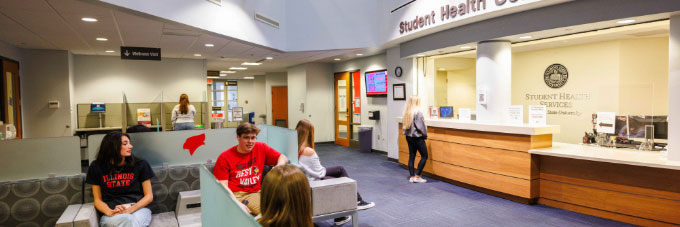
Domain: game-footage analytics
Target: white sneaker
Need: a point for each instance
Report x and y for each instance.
(419, 180)
(342, 221)
(411, 180)
(362, 205)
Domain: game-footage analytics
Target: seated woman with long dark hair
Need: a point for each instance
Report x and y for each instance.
(121, 184)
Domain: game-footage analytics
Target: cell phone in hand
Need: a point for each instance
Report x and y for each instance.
(245, 202)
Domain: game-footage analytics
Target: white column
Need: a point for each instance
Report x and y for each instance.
(494, 65)
(674, 90)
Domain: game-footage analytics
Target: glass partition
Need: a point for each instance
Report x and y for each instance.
(218, 206)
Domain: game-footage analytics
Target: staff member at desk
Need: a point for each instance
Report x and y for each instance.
(416, 133)
(239, 169)
(183, 114)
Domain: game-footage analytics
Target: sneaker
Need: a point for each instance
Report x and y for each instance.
(411, 180)
(343, 220)
(362, 205)
(419, 180)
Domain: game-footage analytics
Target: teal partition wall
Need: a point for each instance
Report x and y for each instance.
(283, 140)
(218, 206)
(174, 147)
(37, 158)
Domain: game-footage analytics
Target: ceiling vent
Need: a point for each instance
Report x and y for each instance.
(266, 20)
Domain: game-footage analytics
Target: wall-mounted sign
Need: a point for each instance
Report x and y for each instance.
(140, 53)
(556, 75)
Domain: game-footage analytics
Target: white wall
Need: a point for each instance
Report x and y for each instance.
(45, 76)
(395, 108)
(10, 52)
(367, 64)
(297, 94)
(251, 91)
(272, 80)
(105, 79)
(319, 107)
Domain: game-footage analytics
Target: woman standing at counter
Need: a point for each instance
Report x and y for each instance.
(416, 133)
(183, 114)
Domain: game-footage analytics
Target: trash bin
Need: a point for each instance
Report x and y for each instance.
(365, 138)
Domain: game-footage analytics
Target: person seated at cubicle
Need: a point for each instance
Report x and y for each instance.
(183, 114)
(310, 163)
(286, 199)
(239, 169)
(121, 184)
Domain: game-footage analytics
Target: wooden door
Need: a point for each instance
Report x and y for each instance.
(280, 106)
(11, 99)
(342, 113)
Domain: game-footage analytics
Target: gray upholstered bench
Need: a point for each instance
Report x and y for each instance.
(334, 198)
(85, 215)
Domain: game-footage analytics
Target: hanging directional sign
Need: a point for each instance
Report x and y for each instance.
(140, 53)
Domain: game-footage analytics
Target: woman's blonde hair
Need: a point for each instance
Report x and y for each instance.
(184, 103)
(412, 106)
(285, 198)
(305, 131)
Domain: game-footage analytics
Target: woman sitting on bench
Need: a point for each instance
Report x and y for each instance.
(121, 183)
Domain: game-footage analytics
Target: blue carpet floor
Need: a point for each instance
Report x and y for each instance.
(436, 203)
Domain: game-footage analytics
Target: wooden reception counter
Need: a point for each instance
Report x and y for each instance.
(493, 158)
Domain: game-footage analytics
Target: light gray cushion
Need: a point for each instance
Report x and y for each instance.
(66, 219)
(333, 195)
(86, 217)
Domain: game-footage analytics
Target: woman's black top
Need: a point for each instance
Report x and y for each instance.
(120, 184)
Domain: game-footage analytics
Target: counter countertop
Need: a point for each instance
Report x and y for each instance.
(97, 129)
(606, 154)
(524, 129)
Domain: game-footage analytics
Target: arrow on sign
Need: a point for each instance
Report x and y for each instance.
(127, 53)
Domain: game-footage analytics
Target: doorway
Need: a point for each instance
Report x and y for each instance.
(280, 106)
(342, 112)
(11, 98)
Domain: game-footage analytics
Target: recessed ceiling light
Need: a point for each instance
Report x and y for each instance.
(209, 45)
(110, 51)
(248, 77)
(238, 68)
(465, 47)
(223, 74)
(360, 54)
(337, 59)
(251, 63)
(270, 58)
(89, 19)
(227, 71)
(625, 21)
(442, 69)
(421, 55)
(102, 39)
(197, 55)
(525, 37)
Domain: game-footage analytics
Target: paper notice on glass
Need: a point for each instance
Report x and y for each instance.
(537, 115)
(237, 113)
(144, 117)
(356, 119)
(464, 114)
(514, 115)
(605, 122)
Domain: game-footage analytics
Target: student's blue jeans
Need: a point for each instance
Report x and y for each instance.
(140, 218)
(184, 126)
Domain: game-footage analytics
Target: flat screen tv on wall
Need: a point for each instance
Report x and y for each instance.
(376, 83)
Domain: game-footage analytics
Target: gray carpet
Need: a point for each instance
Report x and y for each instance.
(436, 203)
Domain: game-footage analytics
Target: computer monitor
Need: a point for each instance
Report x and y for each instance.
(621, 126)
(636, 125)
(660, 127)
(446, 111)
(98, 108)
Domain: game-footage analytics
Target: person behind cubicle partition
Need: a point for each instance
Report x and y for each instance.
(286, 199)
(239, 169)
(416, 132)
(183, 114)
(310, 163)
(121, 184)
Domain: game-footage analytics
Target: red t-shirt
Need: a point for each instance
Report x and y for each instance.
(244, 171)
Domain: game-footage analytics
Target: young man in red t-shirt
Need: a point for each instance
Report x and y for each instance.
(239, 168)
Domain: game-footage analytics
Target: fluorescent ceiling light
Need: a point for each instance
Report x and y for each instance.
(421, 55)
(102, 39)
(625, 21)
(249, 77)
(223, 75)
(251, 63)
(442, 69)
(525, 37)
(227, 71)
(89, 19)
(465, 47)
(213, 77)
(337, 59)
(270, 58)
(209, 45)
(197, 55)
(110, 51)
(360, 54)
(238, 68)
